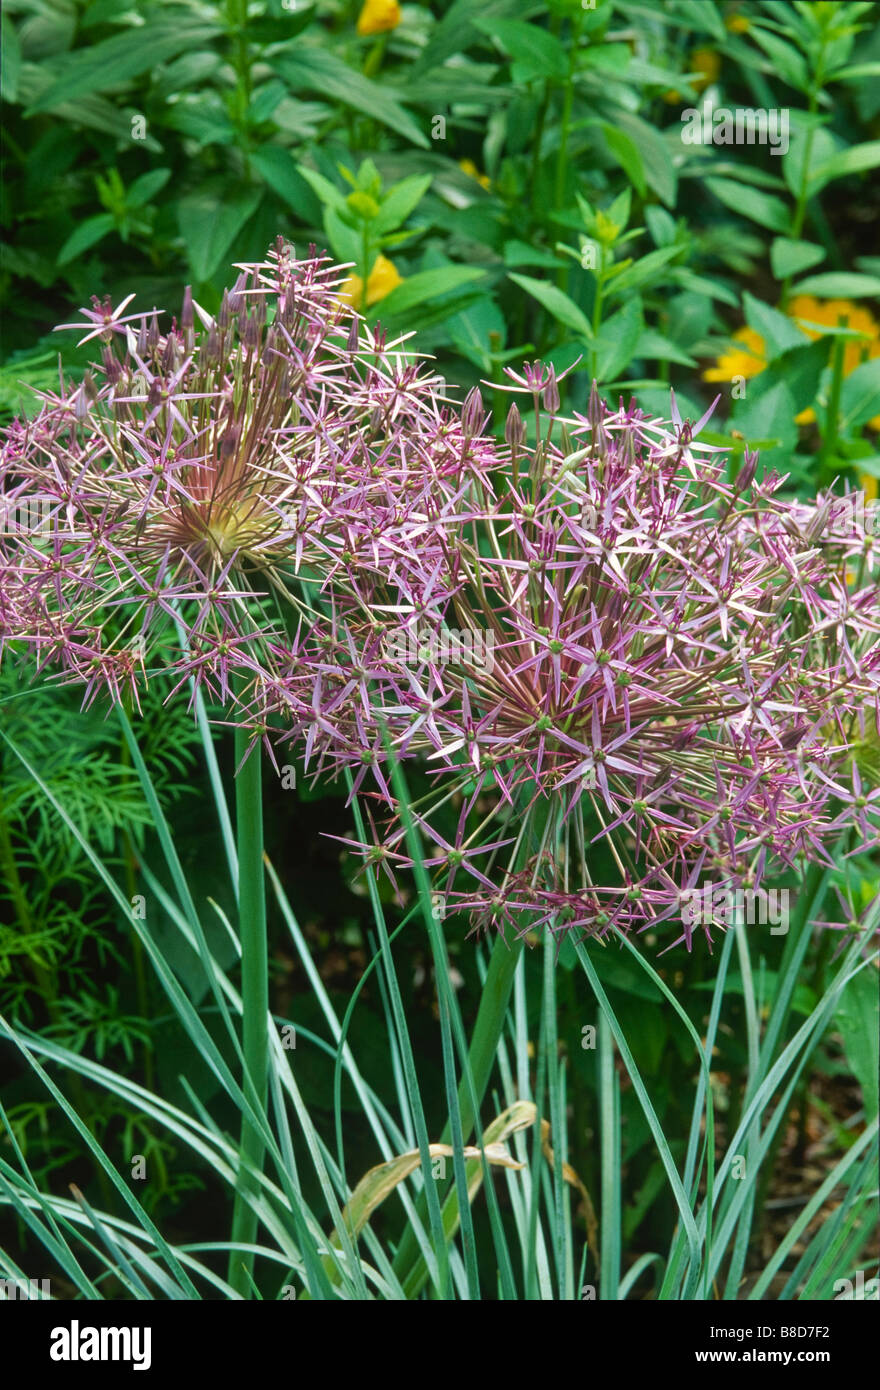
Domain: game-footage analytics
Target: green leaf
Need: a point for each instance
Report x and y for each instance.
(800, 369)
(856, 72)
(626, 152)
(705, 19)
(326, 192)
(860, 397)
(768, 415)
(400, 201)
(855, 160)
(760, 207)
(116, 61)
(810, 147)
(777, 330)
(86, 235)
(209, 224)
(145, 188)
(455, 31)
(536, 52)
(427, 284)
(789, 257)
(617, 340)
(278, 167)
(642, 272)
(522, 253)
(787, 62)
(661, 225)
(265, 101)
(840, 285)
(10, 59)
(556, 302)
(657, 162)
(703, 285)
(857, 1020)
(654, 347)
(203, 118)
(603, 58)
(470, 330)
(319, 70)
(344, 240)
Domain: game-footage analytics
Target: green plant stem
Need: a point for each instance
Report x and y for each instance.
(254, 996)
(608, 1088)
(481, 1059)
(373, 61)
(567, 105)
(236, 21)
(137, 950)
(365, 272)
(800, 212)
(597, 310)
(829, 442)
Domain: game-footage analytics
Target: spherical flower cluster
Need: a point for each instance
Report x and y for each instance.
(619, 674)
(626, 674)
(182, 506)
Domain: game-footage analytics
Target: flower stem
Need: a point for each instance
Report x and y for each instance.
(254, 995)
(481, 1059)
(832, 417)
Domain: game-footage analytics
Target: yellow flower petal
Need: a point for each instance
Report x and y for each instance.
(383, 278)
(706, 62)
(746, 361)
(737, 24)
(378, 16)
(352, 289)
(469, 167)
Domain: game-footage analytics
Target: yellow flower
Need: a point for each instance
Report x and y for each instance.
(748, 360)
(469, 167)
(378, 16)
(382, 279)
(705, 62)
(827, 312)
(737, 24)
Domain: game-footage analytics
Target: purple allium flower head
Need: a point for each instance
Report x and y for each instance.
(679, 673)
(624, 676)
(205, 480)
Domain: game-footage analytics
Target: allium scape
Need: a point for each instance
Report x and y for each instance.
(278, 505)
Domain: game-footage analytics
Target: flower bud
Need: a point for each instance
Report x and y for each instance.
(252, 333)
(186, 319)
(236, 297)
(472, 414)
(224, 313)
(746, 474)
(550, 394)
(514, 429)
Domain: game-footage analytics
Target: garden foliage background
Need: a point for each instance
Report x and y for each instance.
(508, 181)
